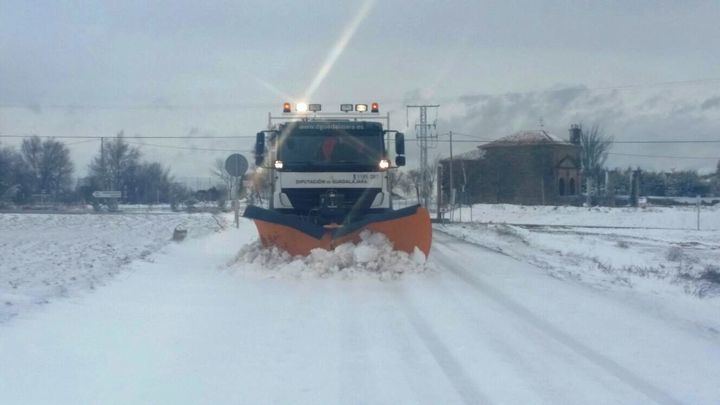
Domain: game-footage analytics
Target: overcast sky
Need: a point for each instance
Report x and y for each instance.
(173, 68)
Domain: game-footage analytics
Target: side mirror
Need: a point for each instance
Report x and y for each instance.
(259, 148)
(400, 143)
(399, 161)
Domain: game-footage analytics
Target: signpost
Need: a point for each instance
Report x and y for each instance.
(107, 194)
(112, 197)
(236, 165)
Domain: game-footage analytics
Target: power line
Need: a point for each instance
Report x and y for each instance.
(665, 156)
(93, 138)
(674, 141)
(629, 141)
(129, 136)
(671, 141)
(189, 147)
(79, 142)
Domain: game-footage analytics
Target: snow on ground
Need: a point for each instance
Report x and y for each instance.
(373, 256)
(45, 256)
(650, 260)
(681, 217)
(483, 328)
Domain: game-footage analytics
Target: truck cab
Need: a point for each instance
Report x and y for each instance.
(330, 170)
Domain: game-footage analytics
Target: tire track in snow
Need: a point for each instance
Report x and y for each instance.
(522, 367)
(409, 353)
(354, 367)
(451, 367)
(668, 318)
(610, 366)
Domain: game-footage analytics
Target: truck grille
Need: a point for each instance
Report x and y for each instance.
(304, 199)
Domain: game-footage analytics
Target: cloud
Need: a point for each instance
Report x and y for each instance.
(637, 115)
(712, 102)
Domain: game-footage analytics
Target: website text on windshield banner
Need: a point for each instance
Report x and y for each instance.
(332, 126)
(331, 182)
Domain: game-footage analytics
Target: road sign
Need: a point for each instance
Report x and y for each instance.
(107, 194)
(236, 165)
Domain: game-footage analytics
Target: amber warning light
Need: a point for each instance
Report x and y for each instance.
(375, 107)
(287, 107)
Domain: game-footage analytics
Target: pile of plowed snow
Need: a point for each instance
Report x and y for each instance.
(373, 255)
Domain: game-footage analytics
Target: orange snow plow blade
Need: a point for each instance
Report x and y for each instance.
(406, 228)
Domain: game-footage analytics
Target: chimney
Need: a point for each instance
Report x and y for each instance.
(575, 131)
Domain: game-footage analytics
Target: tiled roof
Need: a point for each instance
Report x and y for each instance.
(527, 138)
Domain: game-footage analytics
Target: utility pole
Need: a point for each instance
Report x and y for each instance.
(439, 193)
(452, 182)
(426, 139)
(102, 164)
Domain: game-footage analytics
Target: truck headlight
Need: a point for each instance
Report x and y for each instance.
(384, 164)
(279, 164)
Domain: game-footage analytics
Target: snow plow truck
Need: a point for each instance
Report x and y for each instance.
(330, 180)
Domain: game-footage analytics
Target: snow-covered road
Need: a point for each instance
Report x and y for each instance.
(481, 328)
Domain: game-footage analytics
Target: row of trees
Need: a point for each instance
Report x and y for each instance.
(42, 170)
(682, 183)
(594, 149)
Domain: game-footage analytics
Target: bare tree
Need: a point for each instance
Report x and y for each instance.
(396, 179)
(261, 184)
(415, 179)
(116, 164)
(594, 148)
(401, 182)
(151, 183)
(218, 171)
(715, 181)
(49, 164)
(13, 174)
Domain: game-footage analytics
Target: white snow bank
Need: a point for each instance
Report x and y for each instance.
(656, 261)
(682, 217)
(373, 256)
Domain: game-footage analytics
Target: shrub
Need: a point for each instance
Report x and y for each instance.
(711, 274)
(674, 254)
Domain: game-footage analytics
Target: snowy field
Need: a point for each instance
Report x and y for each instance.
(583, 244)
(498, 314)
(46, 256)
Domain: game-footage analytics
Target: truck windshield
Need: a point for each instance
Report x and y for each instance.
(331, 147)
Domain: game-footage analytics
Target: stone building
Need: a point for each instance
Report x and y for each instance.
(527, 167)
